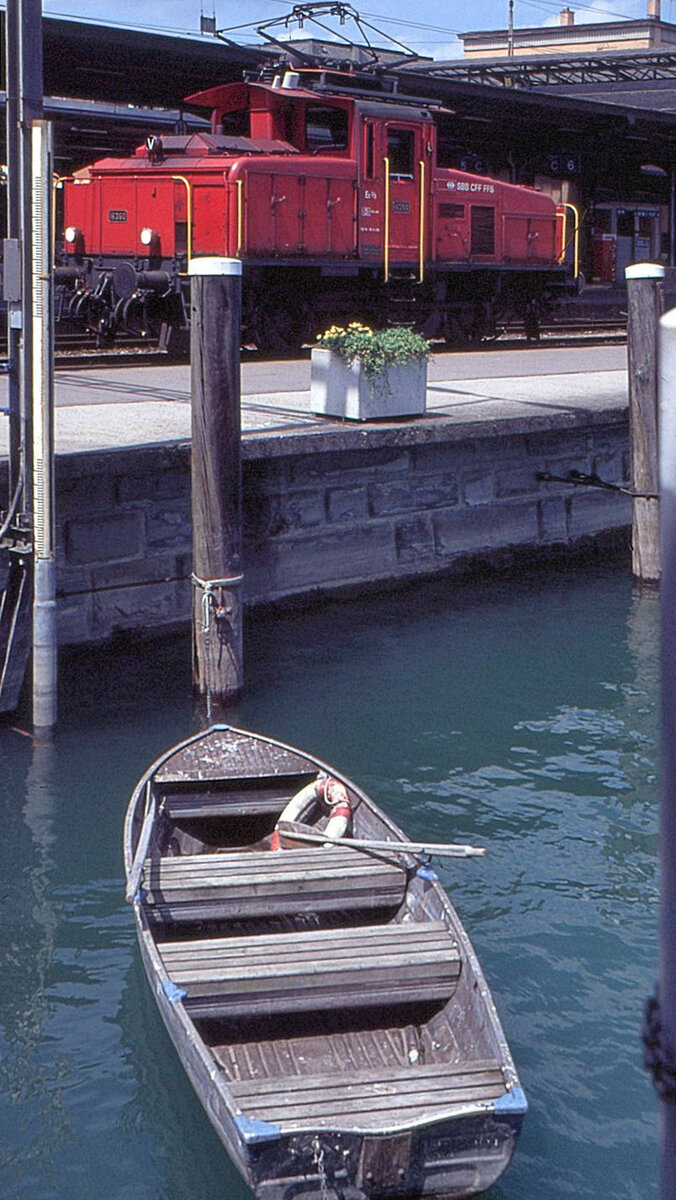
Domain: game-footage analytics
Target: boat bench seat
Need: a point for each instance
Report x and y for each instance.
(227, 798)
(377, 1098)
(197, 887)
(365, 966)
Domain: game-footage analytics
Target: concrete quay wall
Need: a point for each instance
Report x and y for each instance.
(345, 507)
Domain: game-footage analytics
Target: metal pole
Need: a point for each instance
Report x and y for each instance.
(215, 331)
(644, 308)
(29, 51)
(28, 306)
(14, 309)
(663, 1034)
(44, 574)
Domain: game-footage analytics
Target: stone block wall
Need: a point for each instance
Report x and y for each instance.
(329, 510)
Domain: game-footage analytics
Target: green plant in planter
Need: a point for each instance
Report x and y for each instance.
(376, 349)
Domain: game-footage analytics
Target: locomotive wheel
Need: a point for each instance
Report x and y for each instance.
(276, 321)
(472, 325)
(531, 325)
(277, 331)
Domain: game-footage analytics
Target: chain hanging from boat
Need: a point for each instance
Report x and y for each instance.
(318, 1159)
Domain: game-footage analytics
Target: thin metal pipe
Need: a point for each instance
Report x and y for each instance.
(29, 47)
(42, 321)
(421, 263)
(188, 212)
(239, 184)
(576, 238)
(58, 183)
(386, 227)
(14, 310)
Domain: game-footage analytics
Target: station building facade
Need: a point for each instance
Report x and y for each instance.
(627, 216)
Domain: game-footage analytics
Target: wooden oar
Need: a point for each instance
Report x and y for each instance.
(136, 872)
(291, 830)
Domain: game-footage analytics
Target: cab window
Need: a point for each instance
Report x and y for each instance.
(234, 124)
(400, 152)
(325, 128)
(369, 151)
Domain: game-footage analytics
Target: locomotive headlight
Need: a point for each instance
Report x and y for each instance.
(72, 234)
(148, 236)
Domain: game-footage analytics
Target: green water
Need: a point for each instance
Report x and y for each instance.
(520, 715)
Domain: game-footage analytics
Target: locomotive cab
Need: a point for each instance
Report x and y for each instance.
(280, 113)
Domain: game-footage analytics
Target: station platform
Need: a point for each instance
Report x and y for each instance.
(114, 408)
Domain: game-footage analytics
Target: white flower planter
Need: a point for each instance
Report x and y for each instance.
(340, 389)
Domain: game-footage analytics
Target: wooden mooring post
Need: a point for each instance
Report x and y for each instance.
(644, 309)
(661, 1009)
(216, 479)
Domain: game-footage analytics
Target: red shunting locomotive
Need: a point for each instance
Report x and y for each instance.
(333, 199)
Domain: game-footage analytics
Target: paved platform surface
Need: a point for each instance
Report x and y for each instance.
(105, 408)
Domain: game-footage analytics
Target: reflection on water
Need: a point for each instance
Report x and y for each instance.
(520, 715)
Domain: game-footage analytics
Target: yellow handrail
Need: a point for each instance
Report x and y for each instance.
(239, 183)
(57, 181)
(188, 233)
(421, 271)
(60, 179)
(576, 238)
(386, 248)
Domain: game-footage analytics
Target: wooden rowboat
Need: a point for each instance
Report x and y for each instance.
(324, 998)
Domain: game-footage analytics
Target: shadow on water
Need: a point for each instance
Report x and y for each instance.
(519, 714)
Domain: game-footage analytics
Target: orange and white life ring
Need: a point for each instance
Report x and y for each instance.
(330, 792)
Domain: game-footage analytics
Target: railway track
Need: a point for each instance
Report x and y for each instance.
(79, 353)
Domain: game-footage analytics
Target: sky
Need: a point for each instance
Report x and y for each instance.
(433, 32)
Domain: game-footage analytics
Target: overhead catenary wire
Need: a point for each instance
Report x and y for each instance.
(547, 6)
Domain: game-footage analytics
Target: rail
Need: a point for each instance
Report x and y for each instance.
(239, 184)
(61, 179)
(575, 239)
(188, 233)
(421, 230)
(386, 227)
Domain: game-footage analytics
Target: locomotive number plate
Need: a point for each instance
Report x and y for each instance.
(118, 216)
(401, 206)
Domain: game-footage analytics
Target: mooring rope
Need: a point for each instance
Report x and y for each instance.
(209, 586)
(580, 479)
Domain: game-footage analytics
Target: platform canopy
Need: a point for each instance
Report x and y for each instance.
(128, 65)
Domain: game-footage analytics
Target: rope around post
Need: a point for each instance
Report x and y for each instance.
(209, 586)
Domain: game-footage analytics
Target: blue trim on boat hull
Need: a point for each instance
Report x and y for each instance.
(254, 1131)
(513, 1103)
